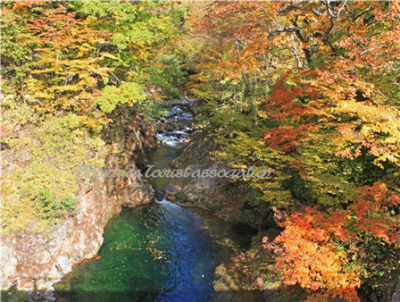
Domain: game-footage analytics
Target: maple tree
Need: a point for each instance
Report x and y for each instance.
(330, 250)
(336, 66)
(310, 90)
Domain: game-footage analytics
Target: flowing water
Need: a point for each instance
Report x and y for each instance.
(160, 252)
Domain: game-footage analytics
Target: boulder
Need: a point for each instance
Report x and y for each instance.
(175, 111)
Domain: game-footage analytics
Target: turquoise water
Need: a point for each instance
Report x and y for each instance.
(160, 252)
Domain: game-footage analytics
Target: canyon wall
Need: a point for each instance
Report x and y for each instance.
(32, 261)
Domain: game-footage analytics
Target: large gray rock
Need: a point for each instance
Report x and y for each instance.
(175, 111)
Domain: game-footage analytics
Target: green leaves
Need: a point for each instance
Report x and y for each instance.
(13, 28)
(41, 190)
(126, 93)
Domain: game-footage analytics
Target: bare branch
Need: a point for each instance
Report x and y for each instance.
(345, 2)
(295, 51)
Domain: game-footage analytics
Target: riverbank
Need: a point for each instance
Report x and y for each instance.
(32, 262)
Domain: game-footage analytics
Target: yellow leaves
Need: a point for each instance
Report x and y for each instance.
(374, 126)
(93, 123)
(127, 93)
(67, 67)
(110, 56)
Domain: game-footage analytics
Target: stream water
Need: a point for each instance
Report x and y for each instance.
(160, 252)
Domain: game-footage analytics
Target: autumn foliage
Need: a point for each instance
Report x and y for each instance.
(285, 106)
(317, 83)
(323, 250)
(67, 67)
(308, 89)
(308, 257)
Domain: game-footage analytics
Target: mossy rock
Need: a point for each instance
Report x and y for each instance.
(181, 196)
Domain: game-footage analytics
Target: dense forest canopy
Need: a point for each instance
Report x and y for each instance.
(309, 89)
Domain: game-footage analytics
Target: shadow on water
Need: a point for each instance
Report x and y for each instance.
(139, 296)
(160, 158)
(160, 252)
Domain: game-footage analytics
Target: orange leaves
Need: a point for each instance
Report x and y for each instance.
(309, 257)
(354, 54)
(348, 294)
(22, 5)
(342, 101)
(369, 213)
(283, 103)
(379, 193)
(62, 31)
(288, 104)
(372, 209)
(286, 138)
(311, 251)
(67, 67)
(289, 97)
(239, 31)
(337, 222)
(361, 116)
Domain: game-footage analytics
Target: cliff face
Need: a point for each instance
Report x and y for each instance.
(36, 261)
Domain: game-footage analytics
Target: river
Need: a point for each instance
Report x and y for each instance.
(161, 252)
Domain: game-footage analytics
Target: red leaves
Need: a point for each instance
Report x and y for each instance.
(282, 102)
(309, 253)
(361, 208)
(337, 223)
(286, 138)
(60, 30)
(285, 106)
(372, 209)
